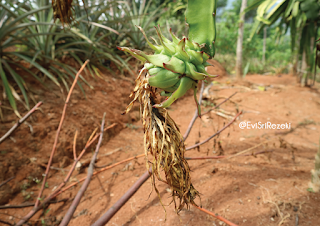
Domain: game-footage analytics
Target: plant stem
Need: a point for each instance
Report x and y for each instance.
(13, 128)
(67, 217)
(57, 134)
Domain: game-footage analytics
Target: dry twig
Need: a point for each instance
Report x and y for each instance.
(114, 209)
(95, 173)
(249, 149)
(225, 156)
(219, 104)
(29, 204)
(58, 190)
(57, 134)
(67, 217)
(13, 128)
(216, 216)
(74, 145)
(6, 181)
(206, 140)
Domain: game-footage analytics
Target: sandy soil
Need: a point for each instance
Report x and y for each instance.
(265, 189)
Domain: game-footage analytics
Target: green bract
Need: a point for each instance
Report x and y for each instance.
(175, 67)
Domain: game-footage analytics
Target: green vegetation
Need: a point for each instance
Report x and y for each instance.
(34, 48)
(30, 41)
(301, 18)
(252, 49)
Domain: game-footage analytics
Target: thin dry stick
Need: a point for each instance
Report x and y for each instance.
(57, 134)
(226, 126)
(5, 222)
(225, 156)
(13, 128)
(249, 149)
(95, 173)
(29, 204)
(67, 217)
(195, 116)
(219, 104)
(6, 181)
(114, 209)
(56, 192)
(216, 216)
(74, 145)
(142, 155)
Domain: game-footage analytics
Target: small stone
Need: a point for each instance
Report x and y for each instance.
(272, 219)
(295, 208)
(258, 197)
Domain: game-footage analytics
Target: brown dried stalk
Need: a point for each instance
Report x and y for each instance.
(219, 104)
(209, 138)
(62, 9)
(58, 132)
(216, 216)
(58, 190)
(115, 207)
(67, 217)
(13, 128)
(163, 140)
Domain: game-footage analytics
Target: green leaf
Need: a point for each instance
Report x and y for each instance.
(7, 89)
(254, 5)
(38, 66)
(19, 82)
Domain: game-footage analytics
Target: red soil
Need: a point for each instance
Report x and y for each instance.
(247, 190)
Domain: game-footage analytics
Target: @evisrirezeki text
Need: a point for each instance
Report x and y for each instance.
(266, 125)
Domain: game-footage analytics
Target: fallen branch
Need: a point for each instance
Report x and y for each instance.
(225, 156)
(15, 126)
(5, 222)
(95, 173)
(226, 126)
(6, 181)
(142, 155)
(215, 216)
(56, 192)
(29, 204)
(117, 206)
(57, 134)
(219, 104)
(67, 217)
(249, 149)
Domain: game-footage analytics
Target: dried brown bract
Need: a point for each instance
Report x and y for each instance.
(62, 9)
(163, 140)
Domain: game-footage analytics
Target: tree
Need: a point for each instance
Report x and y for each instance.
(240, 40)
(301, 17)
